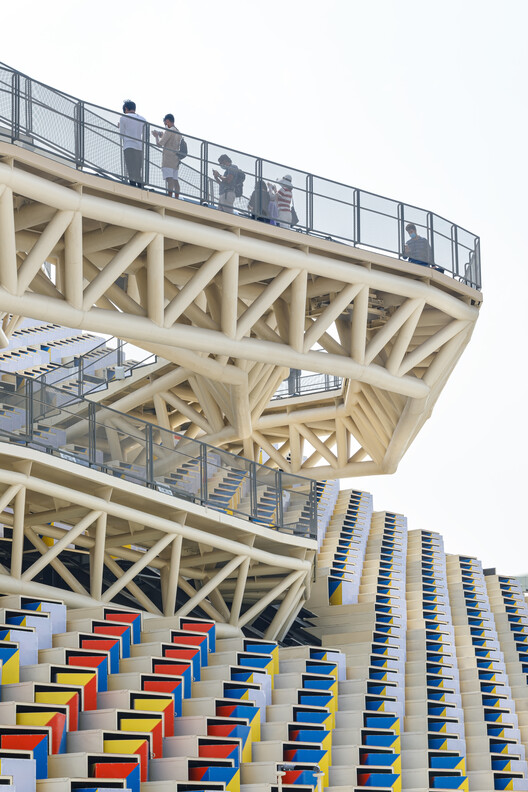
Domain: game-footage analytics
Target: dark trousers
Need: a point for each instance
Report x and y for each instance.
(134, 166)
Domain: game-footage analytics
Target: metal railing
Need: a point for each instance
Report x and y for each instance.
(86, 137)
(78, 430)
(299, 384)
(96, 369)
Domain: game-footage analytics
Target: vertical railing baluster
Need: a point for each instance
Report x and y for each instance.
(253, 489)
(79, 135)
(454, 250)
(401, 231)
(15, 108)
(149, 467)
(204, 184)
(92, 434)
(309, 203)
(357, 217)
(146, 153)
(203, 473)
(430, 235)
(29, 409)
(280, 513)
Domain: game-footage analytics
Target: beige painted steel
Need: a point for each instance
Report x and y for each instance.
(193, 548)
(231, 305)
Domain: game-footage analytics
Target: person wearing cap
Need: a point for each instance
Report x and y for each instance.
(226, 191)
(170, 161)
(284, 200)
(132, 130)
(417, 249)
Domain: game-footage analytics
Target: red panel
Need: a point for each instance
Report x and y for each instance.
(217, 751)
(103, 644)
(113, 769)
(181, 654)
(58, 725)
(86, 660)
(173, 670)
(111, 629)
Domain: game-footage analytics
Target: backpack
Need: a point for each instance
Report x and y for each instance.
(239, 181)
(182, 151)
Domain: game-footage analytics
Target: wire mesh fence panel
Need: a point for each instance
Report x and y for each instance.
(6, 100)
(102, 149)
(333, 210)
(273, 176)
(442, 241)
(378, 222)
(50, 117)
(468, 263)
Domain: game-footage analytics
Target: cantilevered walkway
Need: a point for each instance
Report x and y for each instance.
(230, 303)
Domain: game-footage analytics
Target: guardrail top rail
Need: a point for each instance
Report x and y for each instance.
(86, 136)
(81, 431)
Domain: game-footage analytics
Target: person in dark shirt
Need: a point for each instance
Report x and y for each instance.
(226, 191)
(417, 249)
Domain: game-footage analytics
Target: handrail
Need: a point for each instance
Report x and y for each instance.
(299, 384)
(81, 431)
(83, 367)
(85, 136)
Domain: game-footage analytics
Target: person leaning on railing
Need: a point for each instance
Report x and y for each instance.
(132, 128)
(170, 161)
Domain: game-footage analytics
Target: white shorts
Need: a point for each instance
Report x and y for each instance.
(170, 173)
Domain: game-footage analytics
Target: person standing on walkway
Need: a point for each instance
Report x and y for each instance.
(284, 200)
(132, 129)
(227, 182)
(170, 161)
(417, 249)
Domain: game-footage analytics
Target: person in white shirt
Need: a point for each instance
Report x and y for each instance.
(132, 128)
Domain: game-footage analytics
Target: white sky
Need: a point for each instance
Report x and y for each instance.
(418, 100)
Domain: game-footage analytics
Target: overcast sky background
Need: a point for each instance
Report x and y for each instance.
(423, 102)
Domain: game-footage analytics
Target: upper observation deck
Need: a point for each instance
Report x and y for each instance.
(230, 305)
(87, 137)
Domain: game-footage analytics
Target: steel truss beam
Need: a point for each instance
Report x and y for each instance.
(231, 306)
(126, 529)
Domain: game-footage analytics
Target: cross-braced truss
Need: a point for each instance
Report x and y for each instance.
(231, 305)
(229, 568)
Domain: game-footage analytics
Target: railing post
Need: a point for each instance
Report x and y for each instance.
(204, 184)
(478, 280)
(357, 217)
(401, 232)
(203, 473)
(454, 249)
(92, 435)
(252, 491)
(79, 135)
(15, 108)
(313, 510)
(120, 353)
(257, 209)
(29, 409)
(430, 235)
(80, 375)
(278, 484)
(149, 467)
(309, 202)
(146, 152)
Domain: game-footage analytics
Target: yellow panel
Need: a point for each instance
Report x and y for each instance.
(139, 724)
(11, 670)
(122, 746)
(156, 705)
